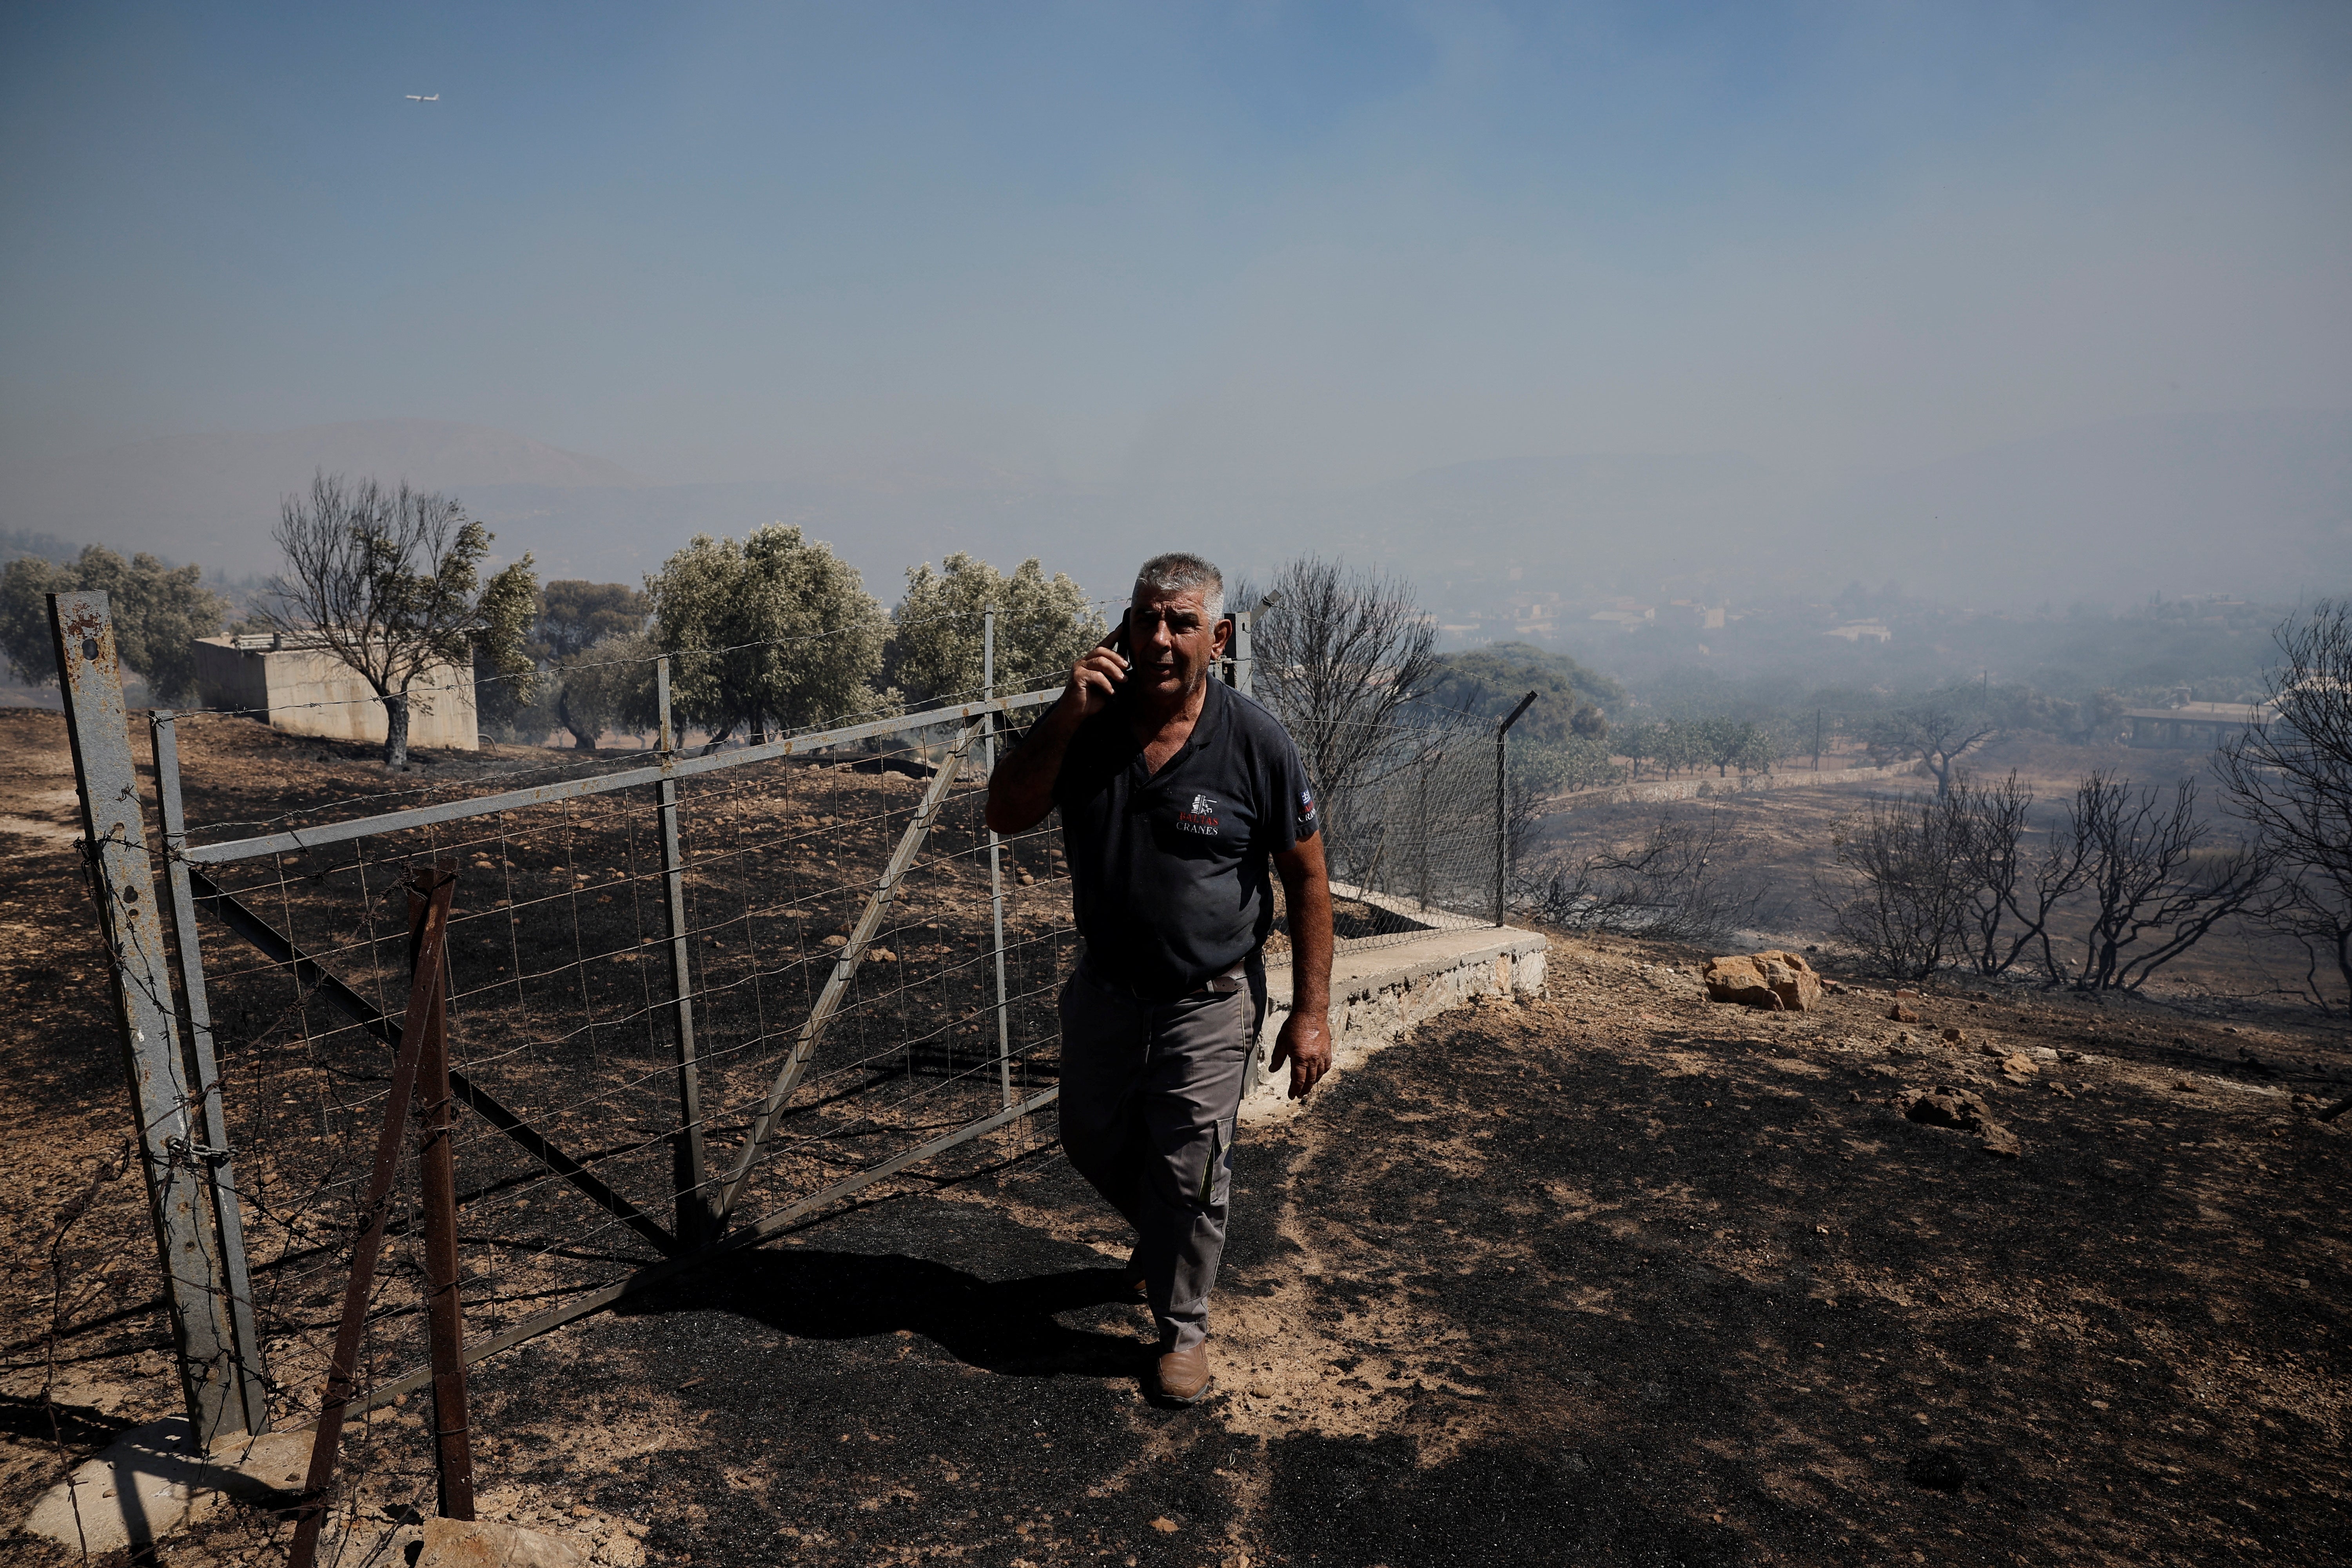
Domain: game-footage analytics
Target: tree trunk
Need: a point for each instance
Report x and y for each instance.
(581, 740)
(395, 730)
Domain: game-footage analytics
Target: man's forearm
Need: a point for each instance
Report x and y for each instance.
(1021, 790)
(1307, 896)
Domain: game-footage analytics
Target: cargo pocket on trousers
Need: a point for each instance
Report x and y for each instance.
(1216, 1172)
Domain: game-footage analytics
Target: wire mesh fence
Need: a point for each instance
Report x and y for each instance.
(684, 995)
(562, 998)
(1413, 839)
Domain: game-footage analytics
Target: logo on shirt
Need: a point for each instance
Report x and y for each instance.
(1200, 818)
(1306, 803)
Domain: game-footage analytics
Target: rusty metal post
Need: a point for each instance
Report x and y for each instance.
(228, 1215)
(424, 1000)
(436, 1164)
(698, 1219)
(173, 1159)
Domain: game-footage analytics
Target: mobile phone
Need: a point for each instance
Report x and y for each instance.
(1118, 637)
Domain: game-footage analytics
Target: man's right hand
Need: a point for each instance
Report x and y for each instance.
(1095, 678)
(1021, 790)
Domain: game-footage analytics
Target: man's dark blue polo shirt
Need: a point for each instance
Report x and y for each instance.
(1169, 870)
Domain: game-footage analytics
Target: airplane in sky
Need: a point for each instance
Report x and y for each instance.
(420, 98)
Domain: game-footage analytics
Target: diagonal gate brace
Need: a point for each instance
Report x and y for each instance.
(837, 987)
(310, 973)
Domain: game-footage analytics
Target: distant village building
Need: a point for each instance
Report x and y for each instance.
(1861, 631)
(1626, 614)
(1701, 616)
(304, 690)
(2201, 724)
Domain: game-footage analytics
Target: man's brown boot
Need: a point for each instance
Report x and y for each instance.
(1184, 1374)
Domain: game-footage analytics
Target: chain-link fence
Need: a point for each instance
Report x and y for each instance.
(1414, 835)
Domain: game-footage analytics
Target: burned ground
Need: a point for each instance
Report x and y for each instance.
(1614, 1277)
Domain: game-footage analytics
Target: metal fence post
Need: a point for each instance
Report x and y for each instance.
(995, 860)
(196, 1294)
(436, 1167)
(696, 1227)
(227, 1214)
(1502, 805)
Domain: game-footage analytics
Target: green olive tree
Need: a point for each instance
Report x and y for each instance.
(1043, 625)
(159, 612)
(774, 630)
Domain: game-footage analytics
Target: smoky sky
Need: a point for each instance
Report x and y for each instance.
(1263, 245)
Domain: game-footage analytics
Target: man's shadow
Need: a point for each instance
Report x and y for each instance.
(1012, 1328)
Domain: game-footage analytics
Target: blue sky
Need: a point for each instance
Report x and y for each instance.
(1265, 244)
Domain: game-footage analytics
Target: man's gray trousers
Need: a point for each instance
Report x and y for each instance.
(1149, 1092)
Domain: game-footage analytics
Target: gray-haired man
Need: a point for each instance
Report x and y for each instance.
(1176, 792)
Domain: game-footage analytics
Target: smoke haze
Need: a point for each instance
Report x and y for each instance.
(2008, 302)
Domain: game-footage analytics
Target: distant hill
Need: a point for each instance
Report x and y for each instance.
(2257, 503)
(2254, 503)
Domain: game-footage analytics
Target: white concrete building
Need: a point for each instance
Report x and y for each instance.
(307, 691)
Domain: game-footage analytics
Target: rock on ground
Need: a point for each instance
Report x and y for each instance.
(472, 1544)
(152, 1480)
(1774, 980)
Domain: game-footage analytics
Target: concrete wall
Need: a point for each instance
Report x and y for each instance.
(1380, 994)
(309, 692)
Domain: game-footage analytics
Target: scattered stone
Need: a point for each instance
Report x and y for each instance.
(2018, 1068)
(1963, 1110)
(1164, 1525)
(622, 1551)
(1999, 1142)
(473, 1543)
(1958, 1037)
(1902, 1015)
(2061, 1090)
(836, 940)
(2070, 1055)
(2185, 1085)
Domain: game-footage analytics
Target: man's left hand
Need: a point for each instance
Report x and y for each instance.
(1306, 1043)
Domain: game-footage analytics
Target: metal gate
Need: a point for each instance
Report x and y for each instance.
(690, 1000)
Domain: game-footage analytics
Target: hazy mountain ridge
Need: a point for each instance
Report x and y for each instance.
(2257, 503)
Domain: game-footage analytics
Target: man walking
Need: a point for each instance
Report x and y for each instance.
(1176, 792)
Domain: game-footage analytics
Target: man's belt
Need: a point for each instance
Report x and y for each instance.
(1226, 982)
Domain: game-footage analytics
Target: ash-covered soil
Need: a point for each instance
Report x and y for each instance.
(1614, 1277)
